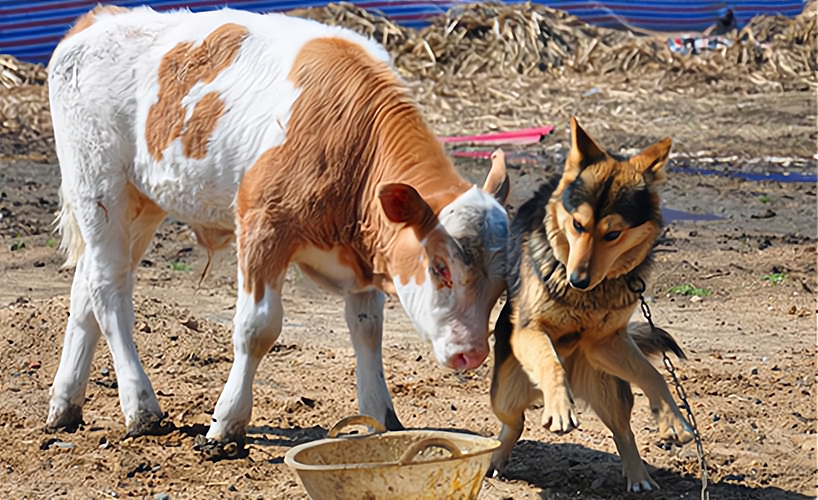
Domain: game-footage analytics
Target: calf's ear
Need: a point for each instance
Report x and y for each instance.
(402, 204)
(497, 183)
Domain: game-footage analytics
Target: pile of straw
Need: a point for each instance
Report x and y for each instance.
(25, 122)
(484, 40)
(474, 60)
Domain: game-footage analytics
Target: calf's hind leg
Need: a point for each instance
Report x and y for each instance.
(81, 337)
(105, 221)
(82, 332)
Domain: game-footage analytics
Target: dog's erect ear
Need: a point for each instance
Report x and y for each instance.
(652, 160)
(497, 183)
(584, 150)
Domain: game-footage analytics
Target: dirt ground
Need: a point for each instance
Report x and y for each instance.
(751, 341)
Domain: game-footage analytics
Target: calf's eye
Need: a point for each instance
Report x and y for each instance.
(441, 271)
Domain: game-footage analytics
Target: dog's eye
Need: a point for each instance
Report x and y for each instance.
(578, 226)
(612, 235)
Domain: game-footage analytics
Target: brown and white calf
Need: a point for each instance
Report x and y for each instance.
(297, 138)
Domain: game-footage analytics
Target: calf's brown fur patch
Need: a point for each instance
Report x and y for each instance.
(183, 67)
(86, 20)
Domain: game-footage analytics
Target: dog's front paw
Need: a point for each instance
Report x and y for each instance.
(559, 415)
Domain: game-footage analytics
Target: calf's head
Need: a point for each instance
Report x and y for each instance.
(449, 268)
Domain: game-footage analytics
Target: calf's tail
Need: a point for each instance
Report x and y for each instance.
(72, 244)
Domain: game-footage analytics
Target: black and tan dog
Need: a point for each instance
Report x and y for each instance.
(575, 248)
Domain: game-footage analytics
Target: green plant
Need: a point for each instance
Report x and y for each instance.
(51, 243)
(689, 290)
(179, 266)
(764, 198)
(774, 278)
(18, 245)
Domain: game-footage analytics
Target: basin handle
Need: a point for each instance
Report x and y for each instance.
(356, 420)
(418, 446)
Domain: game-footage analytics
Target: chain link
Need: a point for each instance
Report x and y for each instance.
(637, 286)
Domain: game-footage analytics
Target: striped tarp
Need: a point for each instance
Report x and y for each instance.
(30, 29)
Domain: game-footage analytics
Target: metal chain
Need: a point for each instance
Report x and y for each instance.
(637, 286)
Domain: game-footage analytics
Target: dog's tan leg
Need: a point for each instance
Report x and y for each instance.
(611, 399)
(540, 361)
(511, 394)
(621, 357)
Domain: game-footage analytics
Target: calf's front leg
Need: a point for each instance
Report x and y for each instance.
(256, 327)
(364, 316)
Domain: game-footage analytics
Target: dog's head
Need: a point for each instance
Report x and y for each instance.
(605, 215)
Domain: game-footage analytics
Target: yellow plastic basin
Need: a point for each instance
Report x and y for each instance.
(405, 465)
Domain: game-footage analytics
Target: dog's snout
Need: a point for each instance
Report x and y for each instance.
(580, 280)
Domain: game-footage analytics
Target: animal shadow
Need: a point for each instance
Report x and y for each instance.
(565, 471)
(265, 436)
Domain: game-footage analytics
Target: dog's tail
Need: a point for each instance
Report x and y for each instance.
(654, 341)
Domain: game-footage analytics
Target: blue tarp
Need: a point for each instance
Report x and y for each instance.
(30, 29)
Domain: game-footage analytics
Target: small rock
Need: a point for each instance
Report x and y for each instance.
(695, 298)
(754, 371)
(716, 417)
(63, 445)
(104, 372)
(161, 496)
(232, 488)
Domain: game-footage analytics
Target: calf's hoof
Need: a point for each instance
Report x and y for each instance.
(63, 417)
(492, 473)
(391, 421)
(498, 464)
(226, 449)
(148, 423)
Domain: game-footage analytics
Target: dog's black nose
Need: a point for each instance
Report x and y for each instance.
(580, 281)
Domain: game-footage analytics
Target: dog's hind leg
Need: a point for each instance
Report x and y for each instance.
(611, 399)
(620, 356)
(512, 392)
